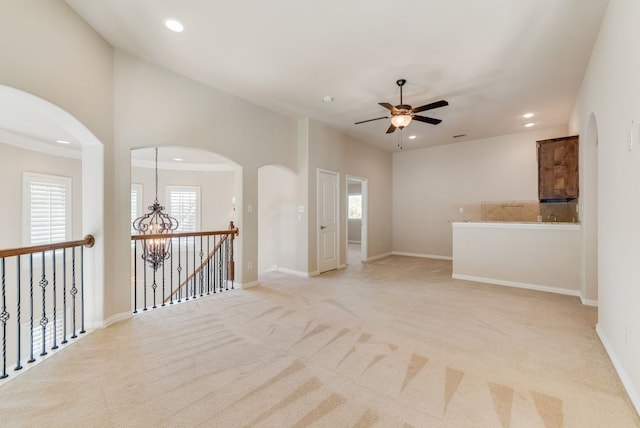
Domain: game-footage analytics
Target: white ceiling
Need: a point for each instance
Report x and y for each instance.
(493, 60)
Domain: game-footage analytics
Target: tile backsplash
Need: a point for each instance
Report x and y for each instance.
(529, 211)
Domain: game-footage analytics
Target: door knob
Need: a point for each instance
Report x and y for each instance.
(323, 227)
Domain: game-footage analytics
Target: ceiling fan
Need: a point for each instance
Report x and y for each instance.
(403, 114)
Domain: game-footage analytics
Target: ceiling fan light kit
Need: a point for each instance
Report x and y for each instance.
(401, 120)
(403, 114)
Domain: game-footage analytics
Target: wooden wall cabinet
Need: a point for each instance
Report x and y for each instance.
(558, 169)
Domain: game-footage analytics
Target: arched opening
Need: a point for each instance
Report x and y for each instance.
(39, 137)
(589, 220)
(201, 190)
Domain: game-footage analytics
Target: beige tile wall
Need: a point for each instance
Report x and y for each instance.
(529, 211)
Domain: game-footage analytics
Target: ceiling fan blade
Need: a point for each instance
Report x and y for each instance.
(427, 120)
(436, 104)
(391, 129)
(388, 107)
(371, 120)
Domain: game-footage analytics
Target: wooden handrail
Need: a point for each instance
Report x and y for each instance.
(88, 242)
(195, 272)
(234, 231)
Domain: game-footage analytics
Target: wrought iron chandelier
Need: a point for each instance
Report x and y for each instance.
(155, 222)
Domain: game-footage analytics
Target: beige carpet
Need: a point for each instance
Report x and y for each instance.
(392, 343)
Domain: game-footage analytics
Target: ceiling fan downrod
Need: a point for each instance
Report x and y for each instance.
(401, 82)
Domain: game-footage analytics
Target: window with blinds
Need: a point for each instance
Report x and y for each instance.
(136, 204)
(46, 208)
(184, 205)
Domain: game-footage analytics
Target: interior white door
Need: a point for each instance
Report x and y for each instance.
(328, 230)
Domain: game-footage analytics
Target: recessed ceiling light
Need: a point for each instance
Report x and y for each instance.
(327, 99)
(174, 25)
(412, 137)
(177, 159)
(528, 115)
(63, 142)
(528, 125)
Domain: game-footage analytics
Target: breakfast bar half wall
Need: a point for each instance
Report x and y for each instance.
(539, 256)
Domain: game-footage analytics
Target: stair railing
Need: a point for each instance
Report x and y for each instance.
(199, 263)
(58, 269)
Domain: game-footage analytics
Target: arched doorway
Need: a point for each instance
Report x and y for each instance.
(201, 190)
(55, 138)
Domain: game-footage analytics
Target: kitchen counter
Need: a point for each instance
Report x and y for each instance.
(536, 255)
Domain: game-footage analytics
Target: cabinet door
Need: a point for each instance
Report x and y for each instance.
(558, 169)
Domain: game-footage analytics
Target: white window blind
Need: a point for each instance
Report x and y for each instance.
(47, 208)
(136, 204)
(184, 205)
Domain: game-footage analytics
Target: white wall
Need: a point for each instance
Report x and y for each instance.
(47, 50)
(13, 162)
(332, 150)
(611, 93)
(155, 107)
(538, 256)
(216, 190)
(277, 220)
(431, 184)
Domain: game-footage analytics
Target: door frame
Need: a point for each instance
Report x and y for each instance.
(337, 214)
(364, 224)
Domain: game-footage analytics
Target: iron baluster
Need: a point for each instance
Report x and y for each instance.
(18, 311)
(4, 317)
(73, 292)
(144, 294)
(186, 273)
(208, 259)
(179, 269)
(220, 277)
(171, 277)
(154, 286)
(194, 281)
(64, 295)
(43, 321)
(31, 359)
(55, 306)
(212, 268)
(163, 292)
(135, 277)
(82, 330)
(201, 273)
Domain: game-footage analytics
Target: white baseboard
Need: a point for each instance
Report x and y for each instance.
(424, 256)
(622, 374)
(515, 284)
(292, 272)
(114, 319)
(588, 302)
(247, 285)
(378, 257)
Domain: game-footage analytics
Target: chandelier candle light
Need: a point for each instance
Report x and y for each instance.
(156, 222)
